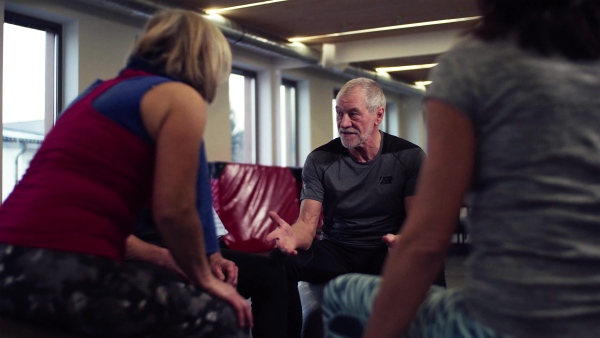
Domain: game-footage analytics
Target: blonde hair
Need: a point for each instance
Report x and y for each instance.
(374, 97)
(188, 47)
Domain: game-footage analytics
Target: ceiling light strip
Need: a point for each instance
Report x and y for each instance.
(422, 83)
(221, 10)
(404, 68)
(381, 29)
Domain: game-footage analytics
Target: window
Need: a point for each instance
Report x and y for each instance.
(334, 118)
(391, 125)
(30, 97)
(242, 102)
(288, 123)
(383, 126)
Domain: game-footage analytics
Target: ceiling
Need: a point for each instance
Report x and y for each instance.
(289, 19)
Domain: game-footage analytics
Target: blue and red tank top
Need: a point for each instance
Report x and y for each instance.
(93, 174)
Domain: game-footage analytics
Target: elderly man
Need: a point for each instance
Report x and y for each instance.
(363, 182)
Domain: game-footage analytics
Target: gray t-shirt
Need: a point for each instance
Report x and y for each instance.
(534, 217)
(362, 201)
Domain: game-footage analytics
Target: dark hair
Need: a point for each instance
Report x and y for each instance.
(567, 27)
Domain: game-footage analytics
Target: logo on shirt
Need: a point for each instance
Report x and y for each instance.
(385, 180)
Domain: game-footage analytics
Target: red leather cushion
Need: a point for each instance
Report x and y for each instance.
(244, 194)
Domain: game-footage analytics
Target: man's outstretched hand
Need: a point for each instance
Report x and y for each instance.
(283, 235)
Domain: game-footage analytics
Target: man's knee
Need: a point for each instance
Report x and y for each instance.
(294, 266)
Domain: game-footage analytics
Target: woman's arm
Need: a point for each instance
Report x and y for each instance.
(136, 249)
(416, 259)
(175, 116)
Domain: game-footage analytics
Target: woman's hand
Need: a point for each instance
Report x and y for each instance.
(224, 269)
(229, 294)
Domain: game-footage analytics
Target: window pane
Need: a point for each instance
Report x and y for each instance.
(334, 119)
(242, 112)
(24, 76)
(384, 123)
(237, 116)
(287, 123)
(391, 118)
(24, 100)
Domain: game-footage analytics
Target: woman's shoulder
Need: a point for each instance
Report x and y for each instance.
(471, 48)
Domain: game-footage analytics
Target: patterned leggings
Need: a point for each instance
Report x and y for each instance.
(100, 297)
(348, 300)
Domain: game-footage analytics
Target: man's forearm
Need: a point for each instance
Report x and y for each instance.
(304, 235)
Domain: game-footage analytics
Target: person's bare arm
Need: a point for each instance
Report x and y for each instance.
(391, 239)
(136, 249)
(289, 238)
(408, 202)
(175, 116)
(415, 261)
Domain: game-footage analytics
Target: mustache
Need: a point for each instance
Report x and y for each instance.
(347, 130)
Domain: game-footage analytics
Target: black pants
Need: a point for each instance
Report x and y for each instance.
(323, 261)
(264, 281)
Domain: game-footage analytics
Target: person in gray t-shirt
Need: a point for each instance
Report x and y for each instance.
(513, 118)
(363, 182)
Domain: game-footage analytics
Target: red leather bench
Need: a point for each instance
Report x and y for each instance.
(243, 194)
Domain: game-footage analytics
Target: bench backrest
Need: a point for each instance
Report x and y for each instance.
(243, 194)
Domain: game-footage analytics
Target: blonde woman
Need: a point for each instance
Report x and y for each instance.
(126, 143)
